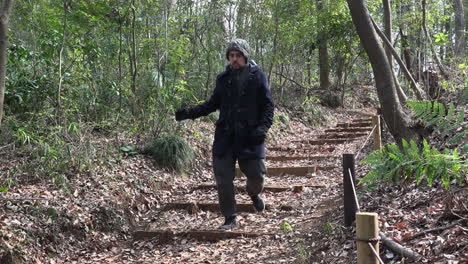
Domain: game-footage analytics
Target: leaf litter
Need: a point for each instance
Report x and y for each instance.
(93, 220)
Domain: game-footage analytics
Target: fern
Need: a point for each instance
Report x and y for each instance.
(411, 163)
(446, 122)
(449, 117)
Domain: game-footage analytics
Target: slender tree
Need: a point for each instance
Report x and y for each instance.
(5, 9)
(388, 33)
(400, 62)
(429, 39)
(460, 44)
(62, 49)
(323, 56)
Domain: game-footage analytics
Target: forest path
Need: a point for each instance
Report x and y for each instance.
(303, 185)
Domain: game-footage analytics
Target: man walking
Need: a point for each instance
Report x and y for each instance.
(243, 98)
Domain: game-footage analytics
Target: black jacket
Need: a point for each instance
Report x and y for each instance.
(240, 112)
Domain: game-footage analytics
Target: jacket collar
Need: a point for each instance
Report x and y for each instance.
(253, 67)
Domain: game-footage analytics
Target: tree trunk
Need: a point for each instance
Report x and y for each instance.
(459, 28)
(133, 49)
(388, 33)
(431, 45)
(120, 61)
(406, 52)
(275, 42)
(5, 9)
(396, 120)
(323, 65)
(62, 48)
(323, 56)
(387, 10)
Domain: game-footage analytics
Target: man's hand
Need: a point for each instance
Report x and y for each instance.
(182, 114)
(258, 135)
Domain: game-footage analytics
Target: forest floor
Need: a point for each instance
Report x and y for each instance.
(104, 217)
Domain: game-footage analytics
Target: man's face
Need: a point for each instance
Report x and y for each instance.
(236, 59)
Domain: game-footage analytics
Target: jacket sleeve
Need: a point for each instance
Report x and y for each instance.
(267, 108)
(207, 107)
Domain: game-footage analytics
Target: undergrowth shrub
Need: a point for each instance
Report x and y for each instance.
(313, 114)
(52, 153)
(413, 164)
(330, 99)
(171, 152)
(281, 121)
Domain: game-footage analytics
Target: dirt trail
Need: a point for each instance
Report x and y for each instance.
(132, 212)
(302, 187)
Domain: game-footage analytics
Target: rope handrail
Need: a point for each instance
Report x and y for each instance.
(365, 142)
(355, 194)
(359, 210)
(354, 190)
(375, 253)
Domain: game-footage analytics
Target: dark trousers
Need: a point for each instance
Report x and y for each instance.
(225, 171)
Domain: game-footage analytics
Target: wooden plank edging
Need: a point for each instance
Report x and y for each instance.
(166, 236)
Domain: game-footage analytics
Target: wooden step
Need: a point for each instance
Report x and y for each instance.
(167, 236)
(324, 141)
(360, 124)
(289, 158)
(362, 120)
(315, 149)
(298, 171)
(349, 130)
(346, 135)
(194, 207)
(269, 188)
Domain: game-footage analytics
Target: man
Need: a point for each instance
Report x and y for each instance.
(243, 98)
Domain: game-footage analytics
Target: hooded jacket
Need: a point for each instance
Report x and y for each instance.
(242, 109)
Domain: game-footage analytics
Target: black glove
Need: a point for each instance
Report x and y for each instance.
(182, 114)
(258, 135)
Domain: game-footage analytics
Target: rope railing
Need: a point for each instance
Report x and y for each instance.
(375, 253)
(365, 142)
(354, 191)
(356, 200)
(359, 210)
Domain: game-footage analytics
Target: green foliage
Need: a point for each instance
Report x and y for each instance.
(286, 227)
(171, 152)
(330, 99)
(411, 163)
(283, 118)
(52, 153)
(27, 90)
(129, 150)
(52, 213)
(328, 228)
(313, 112)
(434, 114)
(281, 121)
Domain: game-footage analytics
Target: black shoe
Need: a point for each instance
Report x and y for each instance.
(258, 203)
(229, 223)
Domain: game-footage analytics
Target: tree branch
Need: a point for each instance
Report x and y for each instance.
(291, 80)
(397, 248)
(400, 62)
(437, 229)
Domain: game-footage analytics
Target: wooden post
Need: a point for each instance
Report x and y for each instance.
(377, 133)
(349, 199)
(367, 227)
